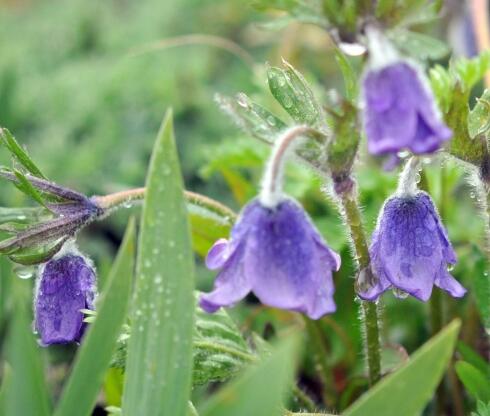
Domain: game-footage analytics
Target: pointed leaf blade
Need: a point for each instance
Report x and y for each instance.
(159, 362)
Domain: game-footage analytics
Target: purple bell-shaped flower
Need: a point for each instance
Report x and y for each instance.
(66, 285)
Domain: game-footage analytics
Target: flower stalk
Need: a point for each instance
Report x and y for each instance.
(369, 310)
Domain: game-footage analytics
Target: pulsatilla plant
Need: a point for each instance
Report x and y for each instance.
(394, 110)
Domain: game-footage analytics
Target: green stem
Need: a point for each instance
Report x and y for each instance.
(369, 309)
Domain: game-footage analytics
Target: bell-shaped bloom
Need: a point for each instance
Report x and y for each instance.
(400, 112)
(277, 254)
(410, 250)
(65, 286)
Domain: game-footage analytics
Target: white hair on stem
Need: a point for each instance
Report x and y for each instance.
(409, 178)
(271, 192)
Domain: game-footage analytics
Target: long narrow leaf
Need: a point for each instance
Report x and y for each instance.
(27, 393)
(95, 355)
(405, 392)
(159, 362)
(261, 389)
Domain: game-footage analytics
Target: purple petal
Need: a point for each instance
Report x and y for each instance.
(448, 283)
(218, 254)
(230, 286)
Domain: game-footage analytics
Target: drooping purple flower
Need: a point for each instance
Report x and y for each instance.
(400, 111)
(410, 250)
(277, 254)
(65, 286)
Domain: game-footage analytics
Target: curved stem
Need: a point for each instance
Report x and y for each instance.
(117, 199)
(272, 180)
(479, 15)
(369, 309)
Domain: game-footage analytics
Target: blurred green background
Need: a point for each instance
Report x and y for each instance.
(81, 89)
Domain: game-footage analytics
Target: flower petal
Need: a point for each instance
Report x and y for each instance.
(445, 281)
(230, 286)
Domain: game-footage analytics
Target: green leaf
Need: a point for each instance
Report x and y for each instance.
(472, 357)
(159, 362)
(475, 382)
(261, 389)
(481, 291)
(27, 393)
(251, 117)
(25, 186)
(307, 11)
(482, 409)
(406, 386)
(418, 45)
(479, 118)
(93, 358)
(29, 256)
(219, 348)
(294, 94)
(19, 153)
(20, 215)
(350, 77)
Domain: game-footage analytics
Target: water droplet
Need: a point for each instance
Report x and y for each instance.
(24, 272)
(472, 195)
(287, 102)
(271, 120)
(242, 100)
(400, 294)
(128, 204)
(417, 178)
(450, 267)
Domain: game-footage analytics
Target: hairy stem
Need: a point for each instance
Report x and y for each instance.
(369, 309)
(304, 399)
(118, 199)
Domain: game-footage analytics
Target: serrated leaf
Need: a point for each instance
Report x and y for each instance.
(418, 45)
(405, 385)
(479, 118)
(474, 381)
(93, 358)
(159, 383)
(261, 389)
(19, 153)
(219, 348)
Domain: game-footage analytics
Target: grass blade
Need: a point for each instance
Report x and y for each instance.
(159, 362)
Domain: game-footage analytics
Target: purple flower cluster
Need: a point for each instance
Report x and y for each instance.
(66, 285)
(400, 113)
(277, 254)
(410, 250)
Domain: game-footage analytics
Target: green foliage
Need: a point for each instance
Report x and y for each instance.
(159, 383)
(94, 356)
(419, 46)
(452, 88)
(26, 393)
(482, 409)
(261, 390)
(479, 118)
(405, 385)
(219, 348)
(474, 380)
(19, 153)
(291, 90)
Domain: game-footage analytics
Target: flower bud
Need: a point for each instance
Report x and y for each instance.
(66, 285)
